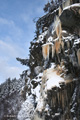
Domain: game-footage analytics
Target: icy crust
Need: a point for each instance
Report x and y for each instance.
(72, 6)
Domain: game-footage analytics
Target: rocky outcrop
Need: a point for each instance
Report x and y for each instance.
(51, 86)
(60, 81)
(70, 18)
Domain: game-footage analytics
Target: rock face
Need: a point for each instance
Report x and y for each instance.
(60, 81)
(70, 18)
(51, 90)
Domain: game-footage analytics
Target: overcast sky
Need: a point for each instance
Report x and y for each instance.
(16, 31)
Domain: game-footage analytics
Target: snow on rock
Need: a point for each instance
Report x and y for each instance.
(71, 6)
(40, 105)
(50, 39)
(52, 65)
(36, 92)
(47, 108)
(70, 37)
(50, 43)
(53, 79)
(77, 41)
(41, 36)
(38, 77)
(27, 110)
(49, 80)
(74, 118)
(64, 33)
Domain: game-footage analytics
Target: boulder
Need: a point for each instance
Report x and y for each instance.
(70, 16)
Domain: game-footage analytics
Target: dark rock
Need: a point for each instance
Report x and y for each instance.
(70, 17)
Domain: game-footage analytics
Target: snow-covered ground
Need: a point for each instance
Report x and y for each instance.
(27, 109)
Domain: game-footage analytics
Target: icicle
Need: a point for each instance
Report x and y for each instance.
(78, 56)
(56, 20)
(56, 25)
(53, 50)
(57, 46)
(60, 32)
(45, 51)
(62, 44)
(58, 28)
(57, 49)
(60, 10)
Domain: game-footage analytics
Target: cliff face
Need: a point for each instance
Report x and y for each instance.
(59, 96)
(51, 86)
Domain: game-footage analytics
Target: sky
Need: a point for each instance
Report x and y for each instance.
(17, 29)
